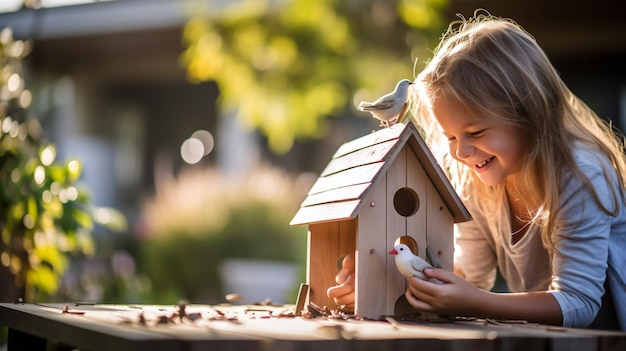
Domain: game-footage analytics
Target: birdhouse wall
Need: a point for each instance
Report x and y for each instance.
(328, 242)
(371, 256)
(433, 224)
(403, 202)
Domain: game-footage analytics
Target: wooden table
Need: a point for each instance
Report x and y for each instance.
(227, 327)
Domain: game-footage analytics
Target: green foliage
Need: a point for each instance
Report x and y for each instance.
(187, 237)
(286, 67)
(44, 214)
(185, 265)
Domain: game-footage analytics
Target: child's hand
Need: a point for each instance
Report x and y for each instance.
(456, 296)
(343, 293)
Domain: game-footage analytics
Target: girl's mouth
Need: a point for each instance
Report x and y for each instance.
(485, 162)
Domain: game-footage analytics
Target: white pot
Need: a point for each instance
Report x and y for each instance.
(257, 280)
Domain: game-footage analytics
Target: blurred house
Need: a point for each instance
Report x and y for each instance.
(109, 87)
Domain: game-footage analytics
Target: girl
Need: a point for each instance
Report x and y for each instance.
(541, 174)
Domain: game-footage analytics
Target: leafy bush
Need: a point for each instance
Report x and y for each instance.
(44, 214)
(201, 219)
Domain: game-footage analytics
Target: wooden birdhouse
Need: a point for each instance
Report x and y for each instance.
(375, 189)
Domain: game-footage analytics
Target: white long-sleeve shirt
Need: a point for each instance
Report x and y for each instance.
(592, 244)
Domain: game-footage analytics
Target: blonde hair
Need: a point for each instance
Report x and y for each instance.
(494, 67)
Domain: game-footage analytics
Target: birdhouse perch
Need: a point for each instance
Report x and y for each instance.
(375, 189)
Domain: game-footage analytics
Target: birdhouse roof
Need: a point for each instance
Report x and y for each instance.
(354, 169)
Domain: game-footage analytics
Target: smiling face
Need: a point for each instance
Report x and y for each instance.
(494, 152)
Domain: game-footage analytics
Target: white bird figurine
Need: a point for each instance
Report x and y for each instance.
(390, 108)
(409, 264)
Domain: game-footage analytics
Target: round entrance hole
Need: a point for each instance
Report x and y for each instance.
(406, 202)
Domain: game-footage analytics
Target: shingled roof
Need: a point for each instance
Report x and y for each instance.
(341, 189)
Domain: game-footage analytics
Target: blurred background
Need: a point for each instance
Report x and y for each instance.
(151, 149)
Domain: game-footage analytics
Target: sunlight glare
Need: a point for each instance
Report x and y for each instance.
(40, 175)
(47, 156)
(14, 82)
(103, 215)
(192, 150)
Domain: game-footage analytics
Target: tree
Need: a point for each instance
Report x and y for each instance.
(285, 67)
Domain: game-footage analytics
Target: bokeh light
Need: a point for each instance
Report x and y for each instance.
(103, 215)
(40, 175)
(207, 140)
(48, 155)
(26, 98)
(14, 82)
(192, 151)
(200, 144)
(74, 168)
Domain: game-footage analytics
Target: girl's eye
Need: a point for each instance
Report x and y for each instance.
(478, 133)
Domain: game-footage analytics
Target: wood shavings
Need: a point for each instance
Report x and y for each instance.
(67, 310)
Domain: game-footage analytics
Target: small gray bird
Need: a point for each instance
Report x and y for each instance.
(390, 108)
(409, 264)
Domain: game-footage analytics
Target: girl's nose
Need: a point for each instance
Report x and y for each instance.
(464, 149)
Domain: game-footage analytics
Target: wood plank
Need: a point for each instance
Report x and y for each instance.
(396, 226)
(326, 212)
(371, 258)
(436, 228)
(358, 175)
(347, 237)
(381, 135)
(257, 331)
(440, 229)
(75, 330)
(417, 225)
(322, 262)
(370, 154)
(418, 181)
(352, 192)
(432, 225)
